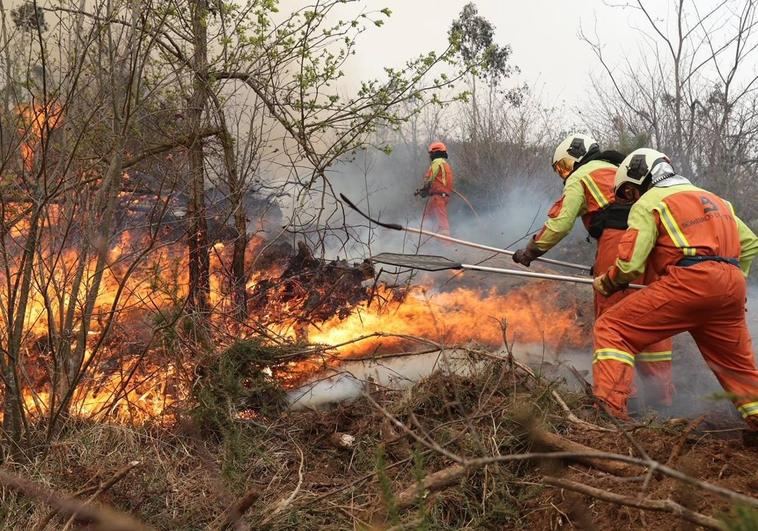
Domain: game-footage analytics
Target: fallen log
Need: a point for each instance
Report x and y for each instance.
(551, 441)
(118, 476)
(434, 482)
(98, 517)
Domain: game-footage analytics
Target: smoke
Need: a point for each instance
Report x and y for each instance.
(384, 186)
(353, 377)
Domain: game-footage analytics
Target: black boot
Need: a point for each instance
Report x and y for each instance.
(750, 439)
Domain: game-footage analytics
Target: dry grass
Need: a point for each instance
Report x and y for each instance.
(298, 479)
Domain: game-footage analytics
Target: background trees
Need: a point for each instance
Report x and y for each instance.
(131, 128)
(690, 91)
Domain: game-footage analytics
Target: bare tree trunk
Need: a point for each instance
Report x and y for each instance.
(237, 198)
(199, 248)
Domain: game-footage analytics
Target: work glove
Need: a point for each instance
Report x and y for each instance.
(528, 254)
(605, 285)
(422, 192)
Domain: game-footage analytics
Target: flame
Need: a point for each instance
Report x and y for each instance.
(34, 121)
(133, 387)
(459, 316)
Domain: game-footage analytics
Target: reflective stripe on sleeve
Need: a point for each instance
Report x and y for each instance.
(605, 354)
(748, 410)
(674, 232)
(595, 191)
(650, 357)
(443, 174)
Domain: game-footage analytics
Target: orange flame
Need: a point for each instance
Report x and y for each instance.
(460, 315)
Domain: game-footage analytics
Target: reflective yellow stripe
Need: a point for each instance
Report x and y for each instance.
(444, 174)
(749, 409)
(595, 191)
(605, 354)
(676, 234)
(654, 356)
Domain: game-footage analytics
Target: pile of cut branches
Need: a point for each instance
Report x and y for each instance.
(308, 290)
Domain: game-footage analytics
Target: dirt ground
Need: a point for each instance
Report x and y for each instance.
(351, 466)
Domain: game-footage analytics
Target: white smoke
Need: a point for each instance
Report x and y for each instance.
(385, 191)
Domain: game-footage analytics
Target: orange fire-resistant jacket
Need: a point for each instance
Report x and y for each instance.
(672, 223)
(440, 176)
(586, 191)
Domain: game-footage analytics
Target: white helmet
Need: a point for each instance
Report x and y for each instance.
(573, 147)
(637, 166)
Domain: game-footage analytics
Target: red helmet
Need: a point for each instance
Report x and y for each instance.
(437, 147)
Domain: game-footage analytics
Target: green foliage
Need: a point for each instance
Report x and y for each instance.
(233, 381)
(741, 519)
(473, 37)
(29, 17)
(385, 485)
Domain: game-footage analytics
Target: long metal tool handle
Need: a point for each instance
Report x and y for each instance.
(533, 274)
(483, 247)
(395, 226)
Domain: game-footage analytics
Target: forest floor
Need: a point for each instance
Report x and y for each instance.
(433, 456)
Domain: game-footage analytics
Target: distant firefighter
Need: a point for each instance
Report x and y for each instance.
(587, 174)
(698, 252)
(437, 189)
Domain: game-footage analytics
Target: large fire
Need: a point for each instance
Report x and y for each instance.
(134, 380)
(136, 367)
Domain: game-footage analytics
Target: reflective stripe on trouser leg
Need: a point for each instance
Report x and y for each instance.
(748, 410)
(613, 376)
(605, 354)
(653, 357)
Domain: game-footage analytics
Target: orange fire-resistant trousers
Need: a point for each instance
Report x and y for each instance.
(708, 301)
(435, 214)
(653, 361)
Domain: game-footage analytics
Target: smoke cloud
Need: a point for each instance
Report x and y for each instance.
(384, 187)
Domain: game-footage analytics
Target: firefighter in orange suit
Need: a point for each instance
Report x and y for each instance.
(437, 189)
(588, 175)
(699, 253)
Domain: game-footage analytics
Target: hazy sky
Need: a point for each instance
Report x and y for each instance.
(542, 33)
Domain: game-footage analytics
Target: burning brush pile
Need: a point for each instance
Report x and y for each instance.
(141, 350)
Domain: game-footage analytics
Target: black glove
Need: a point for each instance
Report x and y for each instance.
(422, 192)
(527, 255)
